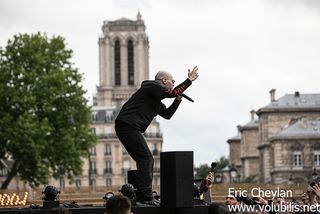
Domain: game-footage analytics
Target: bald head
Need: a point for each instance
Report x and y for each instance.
(163, 74)
(165, 79)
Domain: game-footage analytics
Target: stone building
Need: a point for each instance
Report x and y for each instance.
(286, 141)
(123, 65)
(235, 151)
(276, 117)
(249, 154)
(243, 153)
(296, 151)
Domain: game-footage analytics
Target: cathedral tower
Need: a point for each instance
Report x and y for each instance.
(123, 60)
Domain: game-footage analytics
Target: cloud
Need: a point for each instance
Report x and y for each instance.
(130, 4)
(311, 5)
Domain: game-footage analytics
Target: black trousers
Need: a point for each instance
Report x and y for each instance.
(138, 149)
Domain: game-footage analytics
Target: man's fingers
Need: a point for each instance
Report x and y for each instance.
(314, 189)
(193, 74)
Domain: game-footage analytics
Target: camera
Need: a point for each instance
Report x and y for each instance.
(213, 166)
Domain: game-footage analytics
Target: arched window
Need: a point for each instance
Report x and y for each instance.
(130, 63)
(117, 60)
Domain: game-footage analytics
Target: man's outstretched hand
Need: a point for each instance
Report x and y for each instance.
(193, 75)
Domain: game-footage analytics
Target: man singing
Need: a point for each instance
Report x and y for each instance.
(136, 115)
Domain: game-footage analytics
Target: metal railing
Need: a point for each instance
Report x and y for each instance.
(92, 171)
(107, 171)
(113, 135)
(152, 135)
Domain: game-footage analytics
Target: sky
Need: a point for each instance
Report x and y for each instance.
(243, 48)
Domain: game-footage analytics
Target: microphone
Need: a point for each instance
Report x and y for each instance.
(188, 98)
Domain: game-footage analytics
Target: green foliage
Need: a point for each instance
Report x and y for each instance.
(203, 170)
(44, 117)
(222, 162)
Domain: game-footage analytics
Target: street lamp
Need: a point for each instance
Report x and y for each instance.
(233, 173)
(218, 178)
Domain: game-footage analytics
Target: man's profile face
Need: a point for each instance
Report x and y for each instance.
(168, 81)
(231, 200)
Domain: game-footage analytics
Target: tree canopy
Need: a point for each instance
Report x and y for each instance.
(44, 116)
(221, 163)
(203, 170)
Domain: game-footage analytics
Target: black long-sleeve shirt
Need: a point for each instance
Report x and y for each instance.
(145, 104)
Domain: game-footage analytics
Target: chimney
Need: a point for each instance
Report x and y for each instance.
(252, 112)
(238, 128)
(272, 94)
(297, 94)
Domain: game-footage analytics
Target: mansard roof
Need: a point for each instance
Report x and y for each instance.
(301, 129)
(104, 114)
(293, 102)
(235, 138)
(252, 124)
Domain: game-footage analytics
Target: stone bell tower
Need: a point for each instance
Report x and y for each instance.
(123, 65)
(123, 60)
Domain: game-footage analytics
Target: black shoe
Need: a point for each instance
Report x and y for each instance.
(153, 202)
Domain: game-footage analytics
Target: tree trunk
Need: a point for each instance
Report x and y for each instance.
(12, 173)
